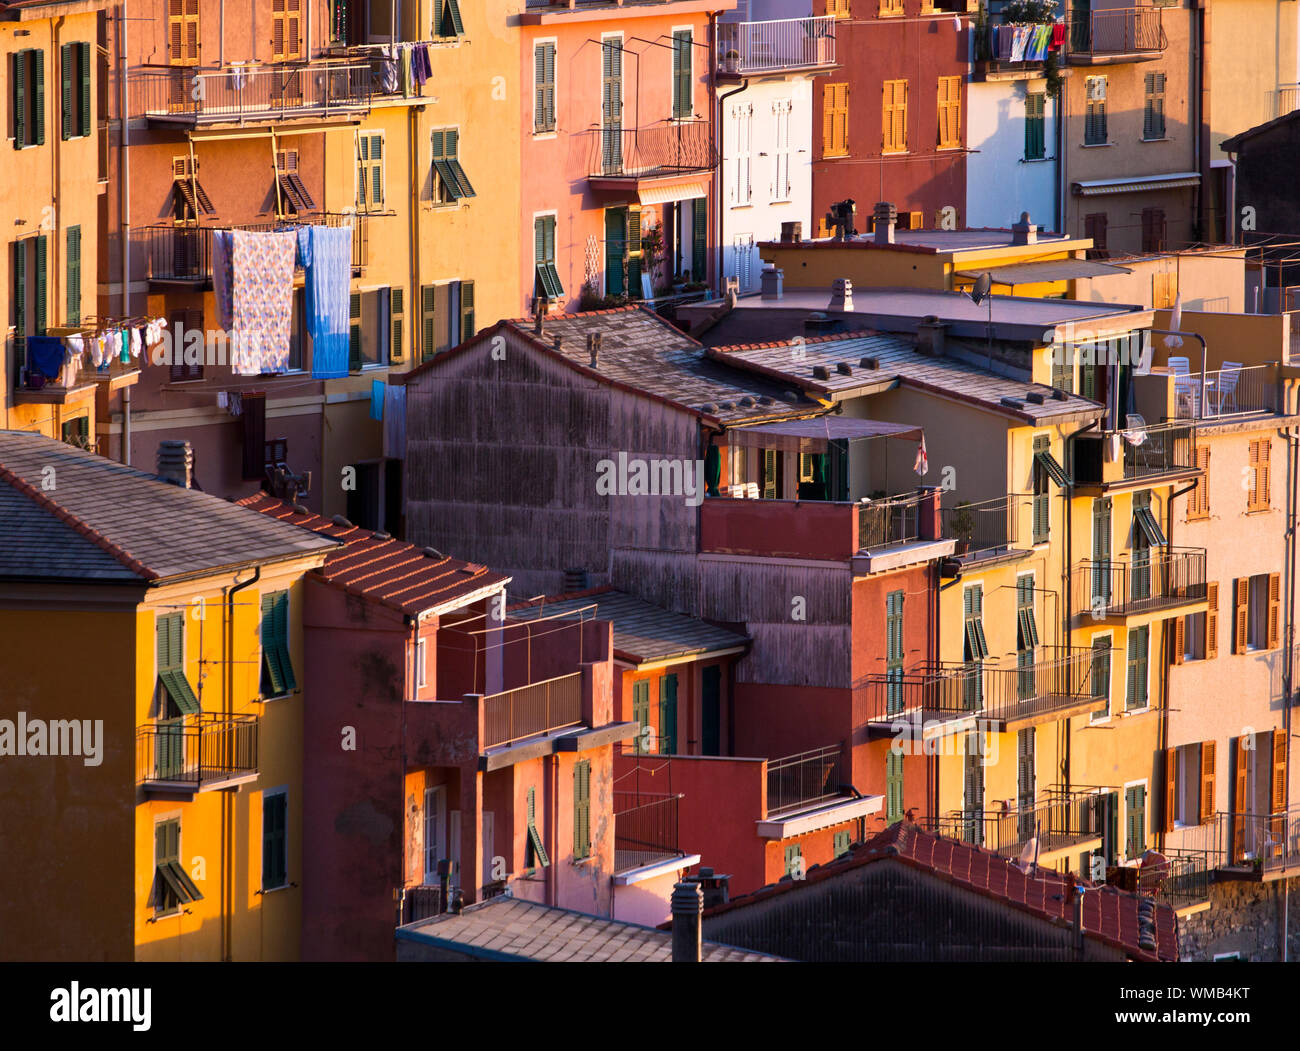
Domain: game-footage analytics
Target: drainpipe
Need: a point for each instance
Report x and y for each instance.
(744, 84)
(1288, 658)
(228, 798)
(1162, 742)
(124, 194)
(1067, 575)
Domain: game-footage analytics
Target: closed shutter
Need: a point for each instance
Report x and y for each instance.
(397, 323)
(835, 120)
(1035, 130)
(274, 836)
(893, 787)
(40, 286)
(641, 712)
(83, 72)
(544, 87)
(634, 250)
(711, 710)
(1241, 615)
(18, 84)
(949, 107)
(682, 60)
(1042, 497)
(1170, 808)
(1212, 620)
(1136, 812)
(74, 275)
(615, 247)
(428, 318)
(1241, 804)
(668, 714)
(700, 245)
(1277, 789)
(1274, 610)
(467, 322)
(183, 32)
(38, 95)
(65, 90)
(1179, 639)
(354, 332)
(535, 852)
(1207, 782)
(582, 809)
(894, 117)
(20, 298)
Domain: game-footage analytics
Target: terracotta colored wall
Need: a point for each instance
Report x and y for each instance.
(779, 528)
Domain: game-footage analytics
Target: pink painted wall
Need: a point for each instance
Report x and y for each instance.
(779, 528)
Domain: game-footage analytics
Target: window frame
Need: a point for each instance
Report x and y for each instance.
(280, 792)
(1096, 121)
(368, 166)
(890, 109)
(451, 184)
(545, 91)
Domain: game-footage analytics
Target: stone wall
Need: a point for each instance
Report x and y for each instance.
(1243, 917)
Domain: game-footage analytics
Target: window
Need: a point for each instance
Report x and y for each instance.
(1155, 230)
(893, 787)
(781, 187)
(949, 103)
(1026, 635)
(842, 841)
(894, 652)
(370, 171)
(1258, 611)
(890, 7)
(183, 32)
(1042, 491)
(1189, 638)
(277, 667)
(422, 663)
(451, 182)
(1198, 503)
(27, 97)
(189, 199)
(1035, 126)
(76, 432)
(668, 714)
(448, 21)
(683, 80)
(1135, 809)
(641, 713)
(623, 251)
(975, 648)
(286, 30)
(835, 120)
(894, 117)
(582, 809)
(543, 88)
(297, 332)
(1101, 674)
(838, 8)
(547, 284)
(172, 886)
(773, 468)
(275, 839)
(73, 280)
(1026, 779)
(1153, 116)
(973, 790)
(611, 106)
(743, 184)
(370, 328)
(1063, 367)
(534, 852)
(1094, 227)
(184, 368)
(1094, 122)
(1189, 785)
(793, 859)
(74, 84)
(1258, 495)
(446, 316)
(435, 832)
(1135, 697)
(291, 194)
(176, 696)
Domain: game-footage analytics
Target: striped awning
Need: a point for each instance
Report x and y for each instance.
(680, 192)
(1140, 184)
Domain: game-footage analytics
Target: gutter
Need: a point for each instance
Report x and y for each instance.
(226, 906)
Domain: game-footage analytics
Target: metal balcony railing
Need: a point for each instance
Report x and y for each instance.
(1059, 819)
(1287, 100)
(1236, 391)
(1165, 577)
(784, 44)
(985, 528)
(1128, 31)
(201, 751)
(798, 782)
(672, 147)
(889, 522)
(417, 903)
(644, 831)
(1155, 449)
(192, 95)
(539, 708)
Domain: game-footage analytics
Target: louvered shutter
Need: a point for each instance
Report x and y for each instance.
(38, 94)
(83, 71)
(278, 30)
(354, 332)
(634, 250)
(397, 323)
(1179, 639)
(1274, 610)
(74, 275)
(428, 332)
(467, 322)
(700, 246)
(1277, 793)
(1207, 782)
(1241, 614)
(1170, 809)
(1212, 620)
(65, 90)
(40, 286)
(19, 88)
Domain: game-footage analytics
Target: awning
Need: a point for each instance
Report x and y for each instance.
(1046, 270)
(813, 435)
(1140, 184)
(681, 192)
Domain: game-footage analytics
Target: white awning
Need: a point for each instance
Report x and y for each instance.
(813, 435)
(1139, 184)
(681, 192)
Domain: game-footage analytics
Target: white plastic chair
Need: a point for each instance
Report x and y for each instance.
(1225, 391)
(1185, 386)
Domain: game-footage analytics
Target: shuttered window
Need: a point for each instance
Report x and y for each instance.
(1212, 620)
(1153, 115)
(277, 666)
(40, 299)
(843, 839)
(428, 322)
(611, 107)
(894, 652)
(74, 89)
(889, 8)
(1026, 635)
(893, 787)
(835, 120)
(183, 32)
(397, 324)
(27, 97)
(683, 80)
(1138, 657)
(172, 886)
(1100, 674)
(838, 8)
(1135, 810)
(286, 30)
(172, 682)
(1094, 227)
(354, 332)
(275, 840)
(449, 22)
(668, 714)
(641, 714)
(1258, 493)
(793, 854)
(294, 196)
(700, 239)
(1206, 809)
(1095, 132)
(1198, 503)
(1155, 230)
(370, 171)
(468, 324)
(182, 322)
(547, 284)
(452, 183)
(543, 88)
(1035, 126)
(73, 281)
(534, 853)
(582, 809)
(949, 106)
(1042, 499)
(19, 300)
(977, 648)
(894, 117)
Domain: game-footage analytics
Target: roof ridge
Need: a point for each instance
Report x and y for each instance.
(68, 518)
(834, 337)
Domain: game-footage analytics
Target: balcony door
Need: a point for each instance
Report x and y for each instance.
(611, 106)
(1080, 25)
(973, 792)
(1141, 587)
(1026, 781)
(1101, 528)
(435, 832)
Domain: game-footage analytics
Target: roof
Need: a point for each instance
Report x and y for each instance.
(932, 241)
(1109, 915)
(1136, 184)
(511, 929)
(643, 632)
(1233, 144)
(410, 579)
(893, 359)
(1046, 270)
(642, 352)
(66, 513)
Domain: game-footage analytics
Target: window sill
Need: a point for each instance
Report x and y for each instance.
(894, 153)
(1102, 721)
(277, 697)
(1163, 138)
(1094, 145)
(834, 156)
(1036, 160)
(742, 207)
(950, 148)
(275, 890)
(543, 136)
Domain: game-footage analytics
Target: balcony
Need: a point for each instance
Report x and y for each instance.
(1257, 846)
(953, 698)
(1062, 819)
(1239, 390)
(645, 830)
(1166, 579)
(1012, 51)
(787, 45)
(985, 530)
(1133, 34)
(1286, 100)
(1141, 453)
(536, 709)
(188, 96)
(627, 158)
(804, 781)
(210, 752)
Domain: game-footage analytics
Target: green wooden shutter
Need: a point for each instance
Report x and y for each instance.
(83, 71)
(538, 851)
(582, 809)
(615, 249)
(668, 714)
(38, 94)
(682, 101)
(641, 711)
(699, 255)
(20, 298)
(274, 840)
(41, 253)
(428, 331)
(65, 90)
(793, 852)
(634, 251)
(19, 82)
(1101, 530)
(467, 323)
(354, 332)
(397, 323)
(893, 787)
(74, 275)
(1136, 813)
(711, 710)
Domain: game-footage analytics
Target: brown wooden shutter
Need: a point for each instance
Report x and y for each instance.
(1265, 447)
(1207, 781)
(1180, 639)
(1241, 611)
(1274, 610)
(1171, 788)
(1239, 802)
(1212, 620)
(1277, 797)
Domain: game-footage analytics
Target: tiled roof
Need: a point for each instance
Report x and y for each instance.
(411, 579)
(68, 514)
(642, 631)
(525, 930)
(895, 358)
(1109, 915)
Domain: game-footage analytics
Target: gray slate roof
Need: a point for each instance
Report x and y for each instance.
(642, 631)
(642, 350)
(104, 521)
(897, 360)
(526, 930)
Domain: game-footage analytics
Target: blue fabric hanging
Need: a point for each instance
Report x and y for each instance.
(45, 353)
(327, 255)
(377, 399)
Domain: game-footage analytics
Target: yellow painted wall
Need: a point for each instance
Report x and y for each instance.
(1252, 52)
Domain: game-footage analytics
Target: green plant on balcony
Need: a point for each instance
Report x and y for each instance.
(589, 298)
(1028, 12)
(962, 524)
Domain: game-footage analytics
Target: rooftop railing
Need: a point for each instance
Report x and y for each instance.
(808, 779)
(767, 47)
(1127, 31)
(672, 147)
(1236, 391)
(539, 708)
(645, 831)
(889, 522)
(985, 528)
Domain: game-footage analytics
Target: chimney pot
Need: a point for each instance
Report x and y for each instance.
(176, 462)
(687, 907)
(1024, 232)
(593, 348)
(841, 295)
(772, 282)
(885, 218)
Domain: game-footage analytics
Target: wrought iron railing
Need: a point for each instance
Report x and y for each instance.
(417, 903)
(983, 528)
(669, 148)
(197, 750)
(645, 831)
(1122, 32)
(797, 782)
(190, 94)
(1165, 577)
(538, 708)
(787, 43)
(889, 522)
(1059, 819)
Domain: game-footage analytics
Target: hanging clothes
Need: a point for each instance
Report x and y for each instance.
(326, 298)
(124, 342)
(45, 355)
(421, 70)
(388, 69)
(222, 278)
(395, 421)
(262, 300)
(377, 399)
(1058, 36)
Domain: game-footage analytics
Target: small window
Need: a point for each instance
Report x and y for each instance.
(277, 666)
(74, 78)
(370, 171)
(450, 181)
(793, 856)
(1100, 674)
(172, 886)
(1153, 116)
(1095, 132)
(683, 78)
(1138, 658)
(1155, 230)
(1258, 493)
(543, 88)
(448, 22)
(275, 839)
(421, 663)
(843, 840)
(1035, 126)
(581, 809)
(835, 120)
(27, 97)
(949, 107)
(189, 199)
(894, 117)
(547, 284)
(371, 328)
(1257, 612)
(1094, 227)
(1190, 638)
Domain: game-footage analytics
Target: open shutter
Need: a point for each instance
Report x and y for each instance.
(634, 250)
(428, 333)
(699, 257)
(354, 332)
(1241, 611)
(1180, 639)
(65, 89)
(1171, 788)
(74, 275)
(38, 95)
(1212, 620)
(83, 72)
(467, 323)
(19, 89)
(1240, 803)
(1274, 610)
(1207, 781)
(40, 304)
(397, 322)
(1277, 795)
(1252, 492)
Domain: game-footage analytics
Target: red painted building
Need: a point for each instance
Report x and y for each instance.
(890, 123)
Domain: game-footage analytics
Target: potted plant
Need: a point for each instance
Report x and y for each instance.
(731, 61)
(962, 526)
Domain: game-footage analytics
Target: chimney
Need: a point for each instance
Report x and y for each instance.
(713, 886)
(841, 294)
(593, 348)
(557, 341)
(539, 312)
(791, 233)
(176, 463)
(687, 906)
(772, 282)
(1024, 232)
(732, 292)
(885, 218)
(930, 337)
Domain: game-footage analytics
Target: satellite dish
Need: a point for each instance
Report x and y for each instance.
(980, 292)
